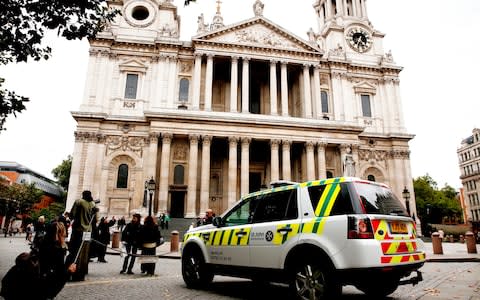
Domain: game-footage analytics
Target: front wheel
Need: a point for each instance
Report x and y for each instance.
(195, 272)
(313, 281)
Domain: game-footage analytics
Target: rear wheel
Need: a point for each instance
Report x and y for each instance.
(314, 281)
(195, 272)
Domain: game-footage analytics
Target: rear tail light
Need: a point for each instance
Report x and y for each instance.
(359, 228)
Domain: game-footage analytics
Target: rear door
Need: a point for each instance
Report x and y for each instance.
(275, 226)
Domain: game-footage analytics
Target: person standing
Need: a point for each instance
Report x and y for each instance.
(39, 232)
(121, 223)
(104, 237)
(167, 219)
(54, 271)
(130, 237)
(149, 237)
(83, 213)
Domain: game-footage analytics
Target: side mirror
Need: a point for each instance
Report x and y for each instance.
(217, 222)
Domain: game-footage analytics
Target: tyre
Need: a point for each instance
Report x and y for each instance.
(380, 288)
(314, 281)
(195, 272)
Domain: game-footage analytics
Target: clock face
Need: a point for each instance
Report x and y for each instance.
(359, 39)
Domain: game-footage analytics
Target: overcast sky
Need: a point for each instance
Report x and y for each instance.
(435, 41)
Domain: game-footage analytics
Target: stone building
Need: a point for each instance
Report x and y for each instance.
(235, 108)
(469, 163)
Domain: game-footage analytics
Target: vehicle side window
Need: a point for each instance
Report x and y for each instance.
(277, 206)
(242, 213)
(343, 203)
(341, 206)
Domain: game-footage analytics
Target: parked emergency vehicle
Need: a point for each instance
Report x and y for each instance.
(316, 236)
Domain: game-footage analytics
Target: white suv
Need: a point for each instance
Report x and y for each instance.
(317, 236)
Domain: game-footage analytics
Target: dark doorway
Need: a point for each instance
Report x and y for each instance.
(177, 205)
(255, 182)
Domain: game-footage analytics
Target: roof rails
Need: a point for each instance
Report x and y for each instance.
(279, 183)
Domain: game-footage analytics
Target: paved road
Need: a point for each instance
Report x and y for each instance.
(441, 281)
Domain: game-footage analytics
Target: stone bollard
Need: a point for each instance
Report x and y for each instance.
(437, 243)
(116, 239)
(462, 239)
(471, 246)
(174, 240)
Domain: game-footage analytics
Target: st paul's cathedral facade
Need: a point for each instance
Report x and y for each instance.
(235, 108)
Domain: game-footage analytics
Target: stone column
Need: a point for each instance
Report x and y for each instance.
(307, 91)
(192, 177)
(208, 83)
(245, 166)
(164, 171)
(317, 90)
(234, 85)
(322, 165)
(151, 167)
(286, 172)
(197, 77)
(205, 175)
(172, 80)
(274, 160)
(284, 95)
(245, 85)
(273, 88)
(310, 160)
(232, 170)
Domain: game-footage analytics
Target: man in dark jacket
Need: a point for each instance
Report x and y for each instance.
(130, 240)
(104, 237)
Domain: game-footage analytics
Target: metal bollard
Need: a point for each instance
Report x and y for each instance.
(116, 239)
(471, 245)
(174, 240)
(437, 243)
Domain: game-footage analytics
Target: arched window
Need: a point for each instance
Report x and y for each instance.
(371, 177)
(324, 102)
(178, 174)
(183, 93)
(122, 176)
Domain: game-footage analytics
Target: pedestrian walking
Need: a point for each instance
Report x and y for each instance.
(104, 237)
(149, 237)
(130, 237)
(29, 232)
(167, 219)
(83, 214)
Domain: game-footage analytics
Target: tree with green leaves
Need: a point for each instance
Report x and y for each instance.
(23, 24)
(435, 205)
(19, 198)
(62, 172)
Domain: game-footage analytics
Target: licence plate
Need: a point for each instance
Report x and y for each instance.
(398, 227)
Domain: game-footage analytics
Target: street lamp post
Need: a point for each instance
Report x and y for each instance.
(151, 189)
(406, 196)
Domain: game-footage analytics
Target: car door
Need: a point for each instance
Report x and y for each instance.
(275, 227)
(228, 244)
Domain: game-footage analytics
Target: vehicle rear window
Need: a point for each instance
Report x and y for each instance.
(378, 200)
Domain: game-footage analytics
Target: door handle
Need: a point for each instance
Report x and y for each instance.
(284, 230)
(206, 236)
(241, 234)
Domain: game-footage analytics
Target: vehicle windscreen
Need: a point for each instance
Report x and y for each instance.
(379, 200)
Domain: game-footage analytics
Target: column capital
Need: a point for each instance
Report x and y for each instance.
(234, 58)
(153, 137)
(273, 62)
(206, 139)
(246, 140)
(198, 55)
(167, 137)
(322, 144)
(274, 143)
(286, 143)
(309, 145)
(232, 140)
(210, 55)
(193, 138)
(283, 62)
(245, 59)
(306, 66)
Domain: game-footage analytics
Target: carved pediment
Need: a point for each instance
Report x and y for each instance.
(133, 65)
(365, 87)
(257, 32)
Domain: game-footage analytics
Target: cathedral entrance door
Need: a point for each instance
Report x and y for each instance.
(255, 182)
(177, 205)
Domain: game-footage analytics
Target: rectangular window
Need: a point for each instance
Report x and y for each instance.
(324, 98)
(366, 108)
(131, 86)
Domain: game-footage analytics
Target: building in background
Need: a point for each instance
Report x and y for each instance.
(12, 172)
(236, 107)
(469, 163)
